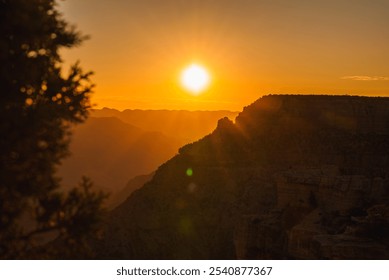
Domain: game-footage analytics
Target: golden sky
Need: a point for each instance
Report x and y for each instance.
(138, 49)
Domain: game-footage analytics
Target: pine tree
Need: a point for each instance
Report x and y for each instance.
(38, 106)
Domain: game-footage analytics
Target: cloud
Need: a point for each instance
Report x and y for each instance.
(366, 78)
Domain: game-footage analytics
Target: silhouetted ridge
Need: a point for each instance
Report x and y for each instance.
(302, 177)
(111, 152)
(185, 125)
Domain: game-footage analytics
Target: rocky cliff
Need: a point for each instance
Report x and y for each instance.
(295, 177)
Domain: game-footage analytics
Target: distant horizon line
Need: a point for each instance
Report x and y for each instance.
(237, 111)
(167, 110)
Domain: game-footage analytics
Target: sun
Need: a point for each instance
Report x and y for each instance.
(195, 79)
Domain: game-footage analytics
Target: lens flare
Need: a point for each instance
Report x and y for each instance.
(189, 172)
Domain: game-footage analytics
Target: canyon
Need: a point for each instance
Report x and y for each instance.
(293, 177)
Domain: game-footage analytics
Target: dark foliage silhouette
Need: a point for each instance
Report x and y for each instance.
(37, 108)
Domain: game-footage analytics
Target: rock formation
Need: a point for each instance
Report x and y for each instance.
(295, 177)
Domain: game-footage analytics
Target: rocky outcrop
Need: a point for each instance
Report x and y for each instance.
(295, 177)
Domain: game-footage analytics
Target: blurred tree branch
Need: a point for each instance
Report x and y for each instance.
(38, 105)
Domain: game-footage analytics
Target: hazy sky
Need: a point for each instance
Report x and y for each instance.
(251, 47)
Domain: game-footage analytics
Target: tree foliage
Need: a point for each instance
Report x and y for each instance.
(38, 105)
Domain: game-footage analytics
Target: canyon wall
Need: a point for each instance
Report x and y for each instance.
(294, 177)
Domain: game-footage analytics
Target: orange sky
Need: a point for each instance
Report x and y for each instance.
(251, 48)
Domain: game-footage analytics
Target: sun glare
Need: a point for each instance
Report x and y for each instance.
(195, 79)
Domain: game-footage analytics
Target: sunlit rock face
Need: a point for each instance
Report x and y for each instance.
(295, 177)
